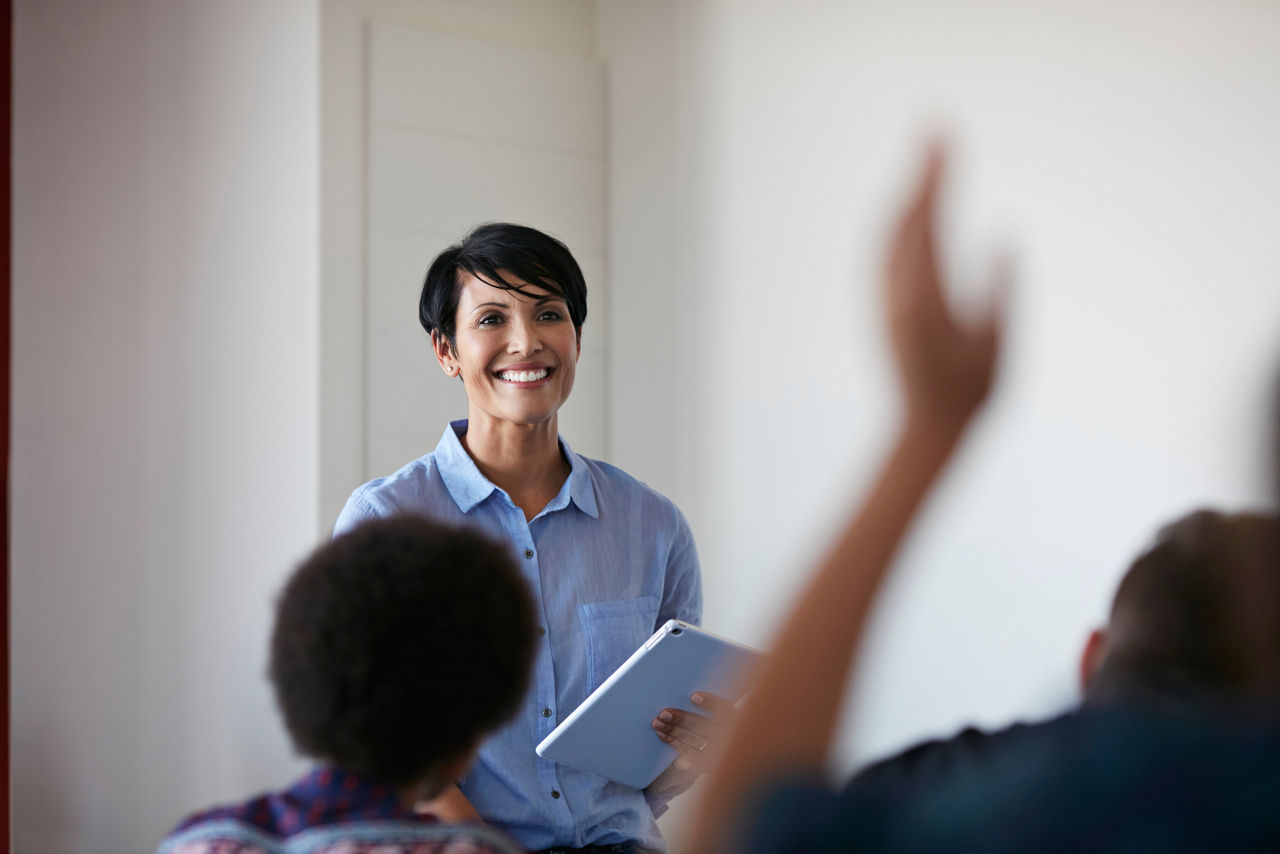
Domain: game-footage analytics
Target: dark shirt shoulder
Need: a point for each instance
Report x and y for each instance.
(1090, 780)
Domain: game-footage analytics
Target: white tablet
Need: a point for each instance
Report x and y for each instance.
(612, 733)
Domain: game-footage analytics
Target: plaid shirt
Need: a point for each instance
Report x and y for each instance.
(328, 811)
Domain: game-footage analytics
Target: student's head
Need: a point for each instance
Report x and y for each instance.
(398, 646)
(1196, 616)
(506, 256)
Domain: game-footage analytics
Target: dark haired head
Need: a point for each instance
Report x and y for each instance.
(501, 253)
(1198, 614)
(397, 646)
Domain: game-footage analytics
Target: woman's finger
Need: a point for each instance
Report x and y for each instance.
(686, 741)
(693, 752)
(718, 707)
(678, 721)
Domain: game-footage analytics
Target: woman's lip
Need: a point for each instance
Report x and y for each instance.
(523, 370)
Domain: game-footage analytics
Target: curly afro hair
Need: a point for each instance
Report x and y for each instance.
(399, 644)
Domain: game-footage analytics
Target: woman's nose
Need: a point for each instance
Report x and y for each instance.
(524, 338)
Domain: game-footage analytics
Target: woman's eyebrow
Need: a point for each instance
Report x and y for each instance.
(506, 305)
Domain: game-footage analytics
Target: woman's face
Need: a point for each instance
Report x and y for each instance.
(516, 354)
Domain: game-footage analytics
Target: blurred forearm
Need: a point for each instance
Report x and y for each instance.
(788, 723)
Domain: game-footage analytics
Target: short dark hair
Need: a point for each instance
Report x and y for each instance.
(1198, 613)
(399, 644)
(487, 252)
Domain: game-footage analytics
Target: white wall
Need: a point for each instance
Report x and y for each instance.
(658, 113)
(165, 341)
(1125, 152)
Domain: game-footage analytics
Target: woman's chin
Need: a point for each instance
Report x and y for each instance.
(521, 418)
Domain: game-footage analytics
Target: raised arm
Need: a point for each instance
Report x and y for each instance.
(946, 371)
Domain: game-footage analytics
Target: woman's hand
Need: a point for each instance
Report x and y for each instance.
(698, 739)
(946, 365)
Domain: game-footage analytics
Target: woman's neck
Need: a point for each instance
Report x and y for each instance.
(524, 460)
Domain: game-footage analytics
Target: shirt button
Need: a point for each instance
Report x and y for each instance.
(528, 553)
(546, 713)
(542, 630)
(554, 793)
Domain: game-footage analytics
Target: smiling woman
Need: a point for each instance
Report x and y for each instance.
(515, 348)
(607, 558)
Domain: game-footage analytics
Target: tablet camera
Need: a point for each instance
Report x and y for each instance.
(677, 631)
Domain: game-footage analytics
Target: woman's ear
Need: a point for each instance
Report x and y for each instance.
(1095, 649)
(445, 354)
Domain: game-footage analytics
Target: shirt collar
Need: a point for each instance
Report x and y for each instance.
(461, 477)
(578, 489)
(469, 487)
(329, 783)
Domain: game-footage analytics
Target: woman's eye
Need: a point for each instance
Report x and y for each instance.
(489, 320)
(551, 314)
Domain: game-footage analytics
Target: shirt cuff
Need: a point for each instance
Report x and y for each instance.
(658, 801)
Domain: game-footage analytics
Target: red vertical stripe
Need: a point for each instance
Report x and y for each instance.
(6, 102)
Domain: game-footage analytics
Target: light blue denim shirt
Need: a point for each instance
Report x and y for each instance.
(609, 560)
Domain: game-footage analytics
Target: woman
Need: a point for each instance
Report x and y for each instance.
(608, 559)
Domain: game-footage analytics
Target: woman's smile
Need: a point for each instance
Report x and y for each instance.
(525, 375)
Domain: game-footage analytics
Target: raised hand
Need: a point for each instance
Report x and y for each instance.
(946, 366)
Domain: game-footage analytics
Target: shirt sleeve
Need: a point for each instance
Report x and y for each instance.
(682, 584)
(681, 600)
(357, 509)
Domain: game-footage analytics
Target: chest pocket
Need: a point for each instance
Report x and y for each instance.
(614, 630)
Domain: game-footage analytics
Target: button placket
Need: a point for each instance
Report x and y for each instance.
(542, 632)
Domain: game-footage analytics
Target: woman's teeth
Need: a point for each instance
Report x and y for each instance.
(524, 376)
